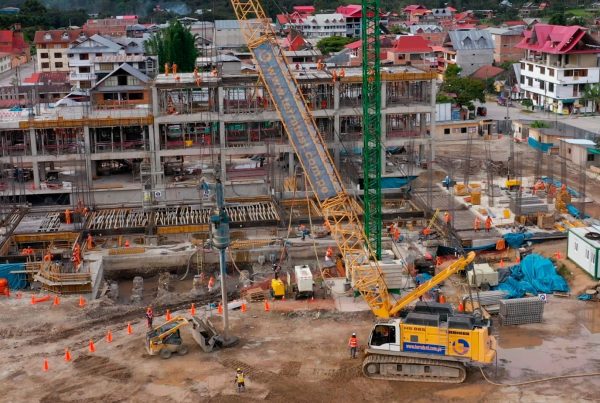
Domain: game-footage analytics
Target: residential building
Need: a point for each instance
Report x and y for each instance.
(52, 48)
(228, 35)
(116, 26)
(486, 72)
(124, 87)
(470, 49)
(446, 13)
(412, 51)
(505, 43)
(5, 62)
(559, 62)
(87, 54)
(316, 26)
(12, 41)
(415, 13)
(466, 17)
(434, 34)
(353, 15)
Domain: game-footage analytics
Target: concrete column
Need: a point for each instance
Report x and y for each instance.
(154, 147)
(432, 116)
(291, 163)
(383, 94)
(89, 168)
(222, 141)
(336, 96)
(155, 102)
(422, 124)
(336, 137)
(34, 165)
(32, 142)
(220, 99)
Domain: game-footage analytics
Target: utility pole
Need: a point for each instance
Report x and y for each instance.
(221, 240)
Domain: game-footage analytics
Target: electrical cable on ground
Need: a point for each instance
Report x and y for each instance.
(552, 378)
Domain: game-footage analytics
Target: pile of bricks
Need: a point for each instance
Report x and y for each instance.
(521, 311)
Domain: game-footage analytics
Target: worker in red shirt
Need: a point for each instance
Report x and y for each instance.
(90, 242)
(488, 224)
(353, 345)
(149, 317)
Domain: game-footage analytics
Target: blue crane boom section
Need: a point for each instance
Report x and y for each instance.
(300, 127)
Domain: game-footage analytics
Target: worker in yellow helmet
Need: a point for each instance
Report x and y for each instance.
(239, 379)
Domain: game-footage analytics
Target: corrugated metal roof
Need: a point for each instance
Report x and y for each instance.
(471, 39)
(579, 142)
(227, 24)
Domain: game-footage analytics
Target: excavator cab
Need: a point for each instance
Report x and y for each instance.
(164, 340)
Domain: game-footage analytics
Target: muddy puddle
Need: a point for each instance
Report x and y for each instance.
(525, 352)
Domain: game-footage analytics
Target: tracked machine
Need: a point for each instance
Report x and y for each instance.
(427, 343)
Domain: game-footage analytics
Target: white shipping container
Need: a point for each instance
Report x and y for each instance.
(583, 250)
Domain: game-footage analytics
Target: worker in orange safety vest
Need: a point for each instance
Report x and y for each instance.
(90, 241)
(477, 224)
(68, 216)
(353, 345)
(488, 224)
(211, 283)
(48, 257)
(329, 254)
(149, 317)
(447, 218)
(27, 251)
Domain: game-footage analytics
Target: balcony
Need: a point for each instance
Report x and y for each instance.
(79, 63)
(82, 77)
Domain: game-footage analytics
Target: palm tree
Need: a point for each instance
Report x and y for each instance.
(592, 93)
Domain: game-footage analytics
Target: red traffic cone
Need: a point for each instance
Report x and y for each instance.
(168, 315)
(67, 355)
(129, 328)
(109, 337)
(193, 309)
(92, 347)
(267, 307)
(81, 301)
(461, 307)
(220, 308)
(46, 367)
(244, 308)
(56, 300)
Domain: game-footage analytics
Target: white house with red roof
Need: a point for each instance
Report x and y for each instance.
(413, 51)
(559, 62)
(353, 15)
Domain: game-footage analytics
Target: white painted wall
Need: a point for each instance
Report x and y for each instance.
(582, 253)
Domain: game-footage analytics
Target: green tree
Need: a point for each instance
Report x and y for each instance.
(333, 44)
(33, 7)
(577, 20)
(591, 93)
(527, 103)
(174, 45)
(558, 19)
(466, 89)
(452, 71)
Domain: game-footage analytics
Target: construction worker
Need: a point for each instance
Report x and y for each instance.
(438, 261)
(329, 254)
(68, 216)
(304, 231)
(48, 257)
(353, 344)
(90, 242)
(426, 231)
(477, 224)
(396, 234)
(211, 283)
(127, 243)
(488, 224)
(28, 251)
(276, 269)
(149, 317)
(447, 218)
(239, 379)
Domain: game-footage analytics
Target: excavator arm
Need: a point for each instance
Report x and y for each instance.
(455, 267)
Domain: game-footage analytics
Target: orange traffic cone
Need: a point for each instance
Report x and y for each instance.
(243, 308)
(442, 299)
(220, 308)
(461, 307)
(168, 315)
(129, 328)
(501, 262)
(46, 367)
(558, 255)
(109, 337)
(193, 309)
(67, 355)
(92, 348)
(81, 301)
(56, 301)
(267, 307)
(32, 300)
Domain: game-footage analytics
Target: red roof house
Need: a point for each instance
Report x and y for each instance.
(558, 39)
(12, 41)
(485, 72)
(308, 10)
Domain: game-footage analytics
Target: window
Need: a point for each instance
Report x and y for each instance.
(45, 65)
(568, 73)
(84, 56)
(568, 151)
(551, 72)
(551, 87)
(447, 131)
(522, 66)
(43, 55)
(587, 254)
(530, 81)
(57, 55)
(85, 84)
(383, 334)
(98, 54)
(530, 67)
(58, 65)
(84, 69)
(463, 129)
(105, 66)
(542, 70)
(590, 157)
(522, 80)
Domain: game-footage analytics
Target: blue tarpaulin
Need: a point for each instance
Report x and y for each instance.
(16, 281)
(558, 184)
(574, 211)
(516, 240)
(535, 275)
(544, 147)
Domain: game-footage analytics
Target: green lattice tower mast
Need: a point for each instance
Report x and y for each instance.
(371, 99)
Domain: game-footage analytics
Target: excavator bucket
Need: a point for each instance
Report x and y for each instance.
(207, 337)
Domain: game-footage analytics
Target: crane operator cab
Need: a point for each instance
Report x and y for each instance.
(429, 343)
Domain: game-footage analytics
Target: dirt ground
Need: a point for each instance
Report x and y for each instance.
(295, 353)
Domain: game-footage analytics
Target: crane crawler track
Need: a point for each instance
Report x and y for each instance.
(413, 369)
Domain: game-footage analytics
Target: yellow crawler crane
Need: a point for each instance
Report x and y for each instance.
(338, 208)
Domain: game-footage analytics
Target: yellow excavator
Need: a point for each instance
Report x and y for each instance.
(431, 343)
